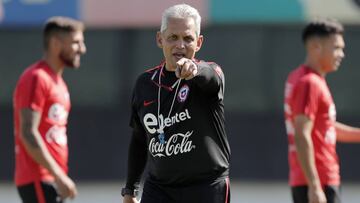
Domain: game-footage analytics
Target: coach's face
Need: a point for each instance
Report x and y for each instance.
(179, 40)
(332, 52)
(73, 46)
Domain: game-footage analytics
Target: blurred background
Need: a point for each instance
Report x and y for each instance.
(256, 42)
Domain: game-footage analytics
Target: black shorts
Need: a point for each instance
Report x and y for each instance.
(300, 194)
(215, 192)
(39, 192)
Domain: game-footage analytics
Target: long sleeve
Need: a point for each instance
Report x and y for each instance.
(210, 78)
(137, 159)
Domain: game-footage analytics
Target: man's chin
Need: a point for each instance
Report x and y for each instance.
(334, 69)
(73, 64)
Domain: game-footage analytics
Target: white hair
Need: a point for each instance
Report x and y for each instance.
(181, 11)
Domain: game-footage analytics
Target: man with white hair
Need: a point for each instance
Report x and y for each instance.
(178, 121)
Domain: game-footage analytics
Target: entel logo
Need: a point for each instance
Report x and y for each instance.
(151, 121)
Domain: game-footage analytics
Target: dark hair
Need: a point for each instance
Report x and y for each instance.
(322, 28)
(60, 25)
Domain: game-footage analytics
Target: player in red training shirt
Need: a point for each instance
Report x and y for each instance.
(310, 117)
(41, 107)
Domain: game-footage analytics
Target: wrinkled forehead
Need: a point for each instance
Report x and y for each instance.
(181, 25)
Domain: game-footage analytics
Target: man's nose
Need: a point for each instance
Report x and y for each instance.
(82, 48)
(181, 44)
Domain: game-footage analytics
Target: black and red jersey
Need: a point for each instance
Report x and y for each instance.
(181, 126)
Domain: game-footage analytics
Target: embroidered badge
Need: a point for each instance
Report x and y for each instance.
(183, 93)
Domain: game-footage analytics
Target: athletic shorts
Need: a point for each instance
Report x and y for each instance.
(215, 192)
(39, 192)
(300, 194)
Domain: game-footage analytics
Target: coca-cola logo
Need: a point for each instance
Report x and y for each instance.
(177, 144)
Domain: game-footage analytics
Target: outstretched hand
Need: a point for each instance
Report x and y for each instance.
(186, 69)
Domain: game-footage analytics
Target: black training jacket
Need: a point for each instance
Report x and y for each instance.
(187, 146)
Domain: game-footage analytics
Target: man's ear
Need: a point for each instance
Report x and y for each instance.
(159, 40)
(199, 43)
(315, 45)
(54, 43)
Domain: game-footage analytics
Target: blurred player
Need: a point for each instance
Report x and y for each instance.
(311, 117)
(1, 11)
(178, 121)
(41, 108)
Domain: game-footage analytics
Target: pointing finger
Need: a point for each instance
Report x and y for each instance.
(181, 61)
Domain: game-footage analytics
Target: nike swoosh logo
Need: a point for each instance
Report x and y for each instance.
(147, 103)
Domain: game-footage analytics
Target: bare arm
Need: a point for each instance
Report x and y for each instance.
(33, 142)
(345, 133)
(305, 153)
(36, 148)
